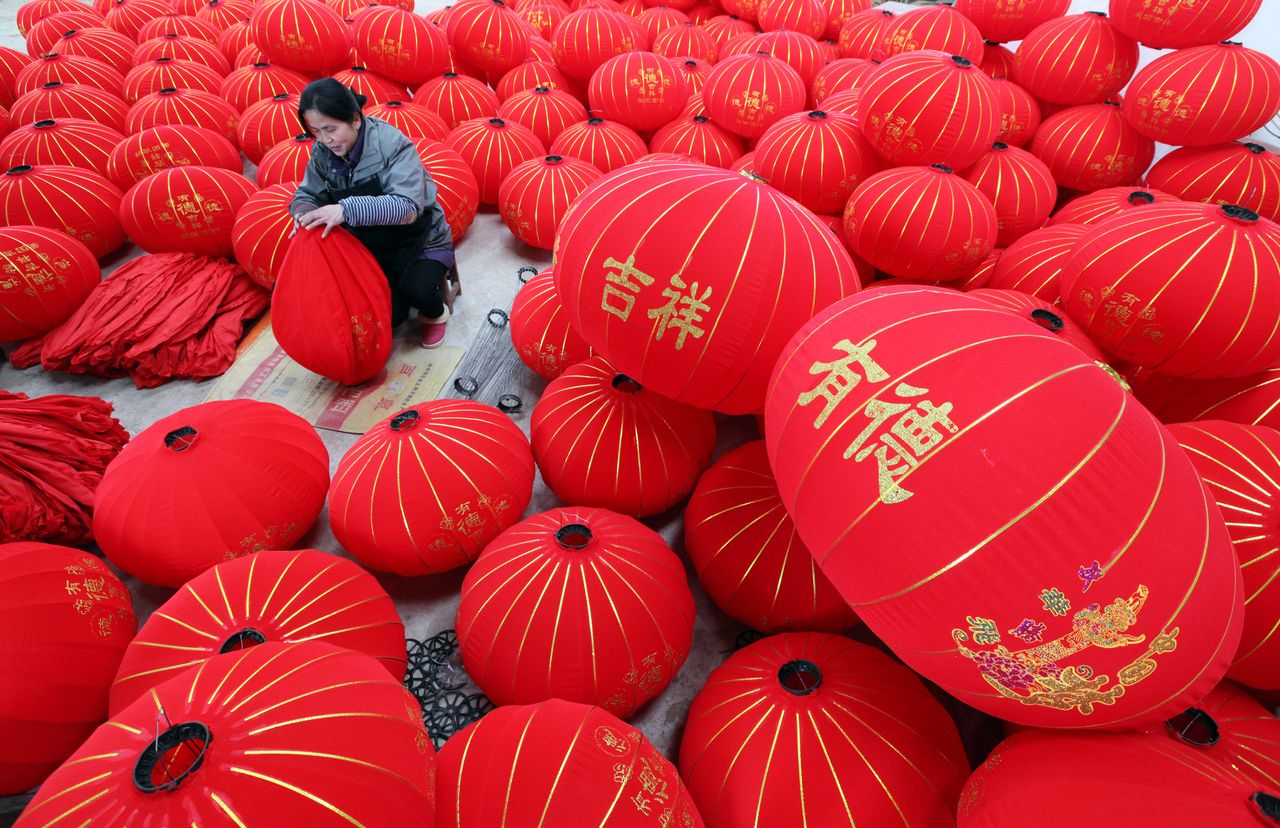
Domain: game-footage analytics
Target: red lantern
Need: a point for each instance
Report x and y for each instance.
(184, 106)
(889, 225)
(401, 45)
(413, 120)
(375, 88)
(540, 330)
(603, 144)
(1186, 97)
(492, 148)
(1092, 208)
(286, 162)
(1180, 26)
(1245, 731)
(543, 16)
(938, 375)
(48, 30)
(267, 736)
(1092, 147)
(42, 293)
(699, 139)
(96, 42)
(261, 234)
(32, 12)
(224, 479)
(639, 89)
(79, 202)
(845, 102)
(1183, 288)
(686, 41)
(746, 94)
(622, 590)
(537, 193)
(268, 596)
(864, 739)
(997, 60)
(657, 19)
(185, 210)
(747, 554)
(862, 35)
(1020, 187)
(1049, 317)
(808, 17)
(256, 82)
(234, 40)
(601, 439)
(226, 13)
(12, 62)
(1073, 60)
(817, 158)
(466, 469)
(530, 75)
(457, 98)
(488, 34)
(509, 768)
(725, 27)
(70, 618)
(546, 112)
(981, 275)
(929, 108)
(630, 236)
(456, 188)
(266, 123)
(1248, 400)
(799, 51)
(300, 34)
(1246, 174)
(67, 69)
(840, 75)
(1019, 113)
(162, 147)
(179, 24)
(939, 28)
(181, 47)
(1033, 263)
(838, 11)
(71, 142)
(164, 73)
(586, 38)
(1005, 21)
(57, 100)
(128, 16)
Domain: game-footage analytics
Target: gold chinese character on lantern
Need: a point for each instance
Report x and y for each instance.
(839, 378)
(623, 283)
(682, 312)
(919, 427)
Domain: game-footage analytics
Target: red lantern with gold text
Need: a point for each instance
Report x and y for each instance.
(536, 194)
(1092, 208)
(565, 763)
(261, 234)
(373, 86)
(1005, 21)
(630, 236)
(276, 734)
(76, 201)
(1242, 173)
(698, 138)
(488, 34)
(1051, 318)
(1092, 147)
(267, 123)
(457, 98)
(686, 41)
(56, 100)
(163, 73)
(840, 75)
(623, 592)
(260, 81)
(746, 94)
(465, 469)
(42, 292)
(546, 112)
(1188, 96)
(1019, 186)
(269, 596)
(601, 439)
(1033, 263)
(1019, 113)
(184, 106)
(589, 36)
(864, 739)
(1181, 25)
(413, 120)
(605, 145)
(838, 11)
(182, 47)
(937, 28)
(1241, 466)
(1074, 60)
(883, 400)
(920, 223)
(162, 147)
(1186, 289)
(862, 35)
(457, 190)
(746, 552)
(929, 108)
(980, 275)
(639, 89)
(300, 34)
(286, 162)
(70, 619)
(71, 142)
(400, 45)
(540, 330)
(492, 148)
(67, 69)
(185, 210)
(223, 479)
(543, 16)
(817, 158)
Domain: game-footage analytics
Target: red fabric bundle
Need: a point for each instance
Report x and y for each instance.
(53, 451)
(157, 318)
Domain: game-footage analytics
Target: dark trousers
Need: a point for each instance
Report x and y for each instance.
(418, 287)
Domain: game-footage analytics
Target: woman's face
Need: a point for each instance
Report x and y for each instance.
(338, 136)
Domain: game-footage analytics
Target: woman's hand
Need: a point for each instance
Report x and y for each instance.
(328, 217)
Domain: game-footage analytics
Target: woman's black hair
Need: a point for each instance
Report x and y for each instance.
(331, 99)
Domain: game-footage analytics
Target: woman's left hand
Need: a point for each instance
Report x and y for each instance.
(328, 217)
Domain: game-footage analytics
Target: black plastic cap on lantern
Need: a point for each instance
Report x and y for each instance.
(554, 159)
(595, 121)
(181, 439)
(51, 85)
(999, 146)
(626, 384)
(70, 32)
(1256, 149)
(1097, 13)
(405, 420)
(700, 119)
(169, 90)
(942, 168)
(1268, 805)
(1047, 319)
(1194, 727)
(262, 64)
(575, 536)
(182, 747)
(280, 96)
(541, 90)
(800, 677)
(818, 115)
(243, 640)
(990, 43)
(44, 124)
(1237, 213)
(1141, 197)
(961, 60)
(497, 122)
(451, 74)
(692, 64)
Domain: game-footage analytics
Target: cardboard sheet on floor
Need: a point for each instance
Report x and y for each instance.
(262, 371)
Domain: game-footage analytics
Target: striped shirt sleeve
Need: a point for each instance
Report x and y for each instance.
(367, 211)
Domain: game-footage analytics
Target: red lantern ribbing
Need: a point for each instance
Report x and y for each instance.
(817, 158)
(605, 145)
(375, 88)
(266, 123)
(1019, 113)
(1074, 60)
(414, 120)
(1242, 173)
(45, 275)
(540, 330)
(537, 193)
(162, 147)
(165, 72)
(67, 69)
(1033, 263)
(747, 94)
(456, 187)
(182, 47)
(1092, 147)
(1019, 186)
(261, 233)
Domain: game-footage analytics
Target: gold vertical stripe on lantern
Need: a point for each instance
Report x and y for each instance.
(1073, 60)
(546, 112)
(540, 329)
(492, 148)
(248, 85)
(1092, 147)
(862, 35)
(537, 193)
(940, 28)
(1020, 187)
(80, 203)
(97, 42)
(160, 147)
(164, 73)
(266, 123)
(1247, 174)
(738, 89)
(73, 142)
(604, 144)
(700, 139)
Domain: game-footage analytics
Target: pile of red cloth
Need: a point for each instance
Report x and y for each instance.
(157, 318)
(53, 451)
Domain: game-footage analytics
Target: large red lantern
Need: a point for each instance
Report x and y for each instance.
(56, 100)
(300, 34)
(413, 120)
(1241, 466)
(725, 27)
(746, 552)
(69, 618)
(278, 734)
(1006, 21)
(1019, 113)
(67, 69)
(1073, 60)
(1092, 208)
(657, 19)
(260, 81)
(182, 47)
(375, 88)
(603, 144)
(286, 162)
(558, 763)
(48, 30)
(601, 439)
(1049, 317)
(266, 123)
(71, 142)
(537, 193)
(492, 148)
(184, 106)
(12, 62)
(401, 45)
(546, 112)
(817, 158)
(1177, 26)
(884, 400)
(223, 479)
(262, 231)
(46, 274)
(32, 12)
(639, 89)
(1185, 289)
(1092, 147)
(889, 225)
(488, 34)
(678, 254)
(80, 203)
(865, 740)
(233, 41)
(285, 596)
(162, 147)
(1019, 186)
(165, 72)
(457, 190)
(622, 592)
(426, 489)
(1033, 263)
(929, 108)
(746, 94)
(862, 35)
(225, 13)
(588, 37)
(698, 138)
(937, 28)
(1186, 97)
(457, 98)
(185, 210)
(540, 330)
(1242, 173)
(543, 16)
(96, 42)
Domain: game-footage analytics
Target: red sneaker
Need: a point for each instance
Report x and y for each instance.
(433, 330)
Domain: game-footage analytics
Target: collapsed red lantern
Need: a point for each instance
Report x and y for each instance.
(540, 330)
(185, 210)
(537, 193)
(78, 202)
(46, 274)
